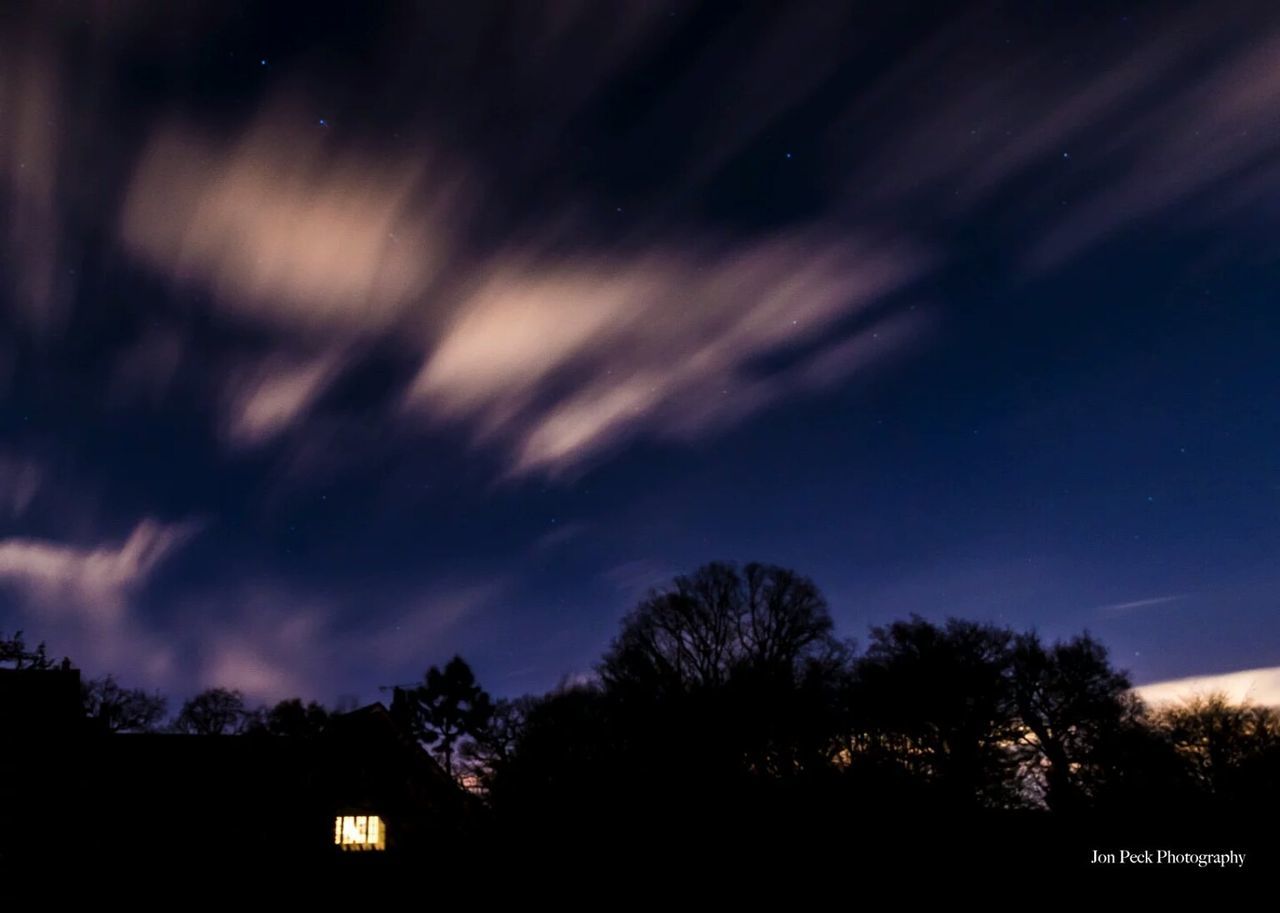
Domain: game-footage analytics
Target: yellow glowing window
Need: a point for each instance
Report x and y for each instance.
(359, 832)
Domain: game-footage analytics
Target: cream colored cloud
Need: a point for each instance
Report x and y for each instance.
(251, 673)
(284, 228)
(274, 395)
(91, 583)
(586, 421)
(563, 360)
(269, 654)
(1257, 686)
(519, 328)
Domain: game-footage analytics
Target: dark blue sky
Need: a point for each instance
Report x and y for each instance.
(335, 340)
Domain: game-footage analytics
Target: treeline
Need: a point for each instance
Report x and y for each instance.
(727, 695)
(110, 707)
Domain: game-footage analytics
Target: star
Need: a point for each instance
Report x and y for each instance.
(262, 62)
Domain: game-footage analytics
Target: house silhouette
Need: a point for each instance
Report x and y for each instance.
(71, 792)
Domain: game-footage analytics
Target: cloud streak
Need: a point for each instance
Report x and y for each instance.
(1077, 154)
(275, 395)
(93, 582)
(561, 363)
(1257, 686)
(271, 643)
(20, 482)
(30, 158)
(1141, 603)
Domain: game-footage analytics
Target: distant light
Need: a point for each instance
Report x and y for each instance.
(359, 833)
(788, 155)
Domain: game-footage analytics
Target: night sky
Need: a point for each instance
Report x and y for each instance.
(338, 339)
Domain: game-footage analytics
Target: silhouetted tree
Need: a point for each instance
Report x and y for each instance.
(936, 702)
(567, 764)
(1232, 751)
(720, 682)
(215, 711)
(718, 621)
(449, 707)
(116, 709)
(785, 721)
(1136, 772)
(15, 654)
(289, 717)
(494, 745)
(1070, 702)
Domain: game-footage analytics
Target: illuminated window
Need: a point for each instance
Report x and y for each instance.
(359, 832)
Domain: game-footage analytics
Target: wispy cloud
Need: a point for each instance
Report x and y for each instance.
(1141, 603)
(560, 535)
(559, 362)
(635, 578)
(271, 642)
(258, 639)
(20, 481)
(80, 598)
(1216, 130)
(92, 582)
(269, 397)
(413, 633)
(1184, 110)
(30, 159)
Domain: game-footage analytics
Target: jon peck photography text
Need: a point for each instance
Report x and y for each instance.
(1169, 857)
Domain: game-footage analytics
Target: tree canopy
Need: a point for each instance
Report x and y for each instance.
(446, 710)
(114, 708)
(215, 711)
